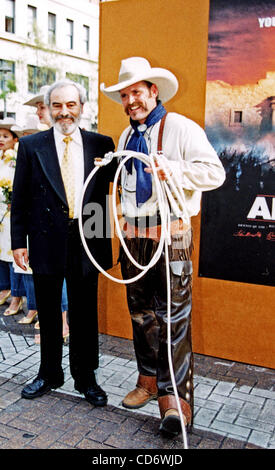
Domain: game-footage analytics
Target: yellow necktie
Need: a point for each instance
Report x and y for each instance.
(67, 171)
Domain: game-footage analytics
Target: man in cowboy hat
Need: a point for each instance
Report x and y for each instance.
(142, 89)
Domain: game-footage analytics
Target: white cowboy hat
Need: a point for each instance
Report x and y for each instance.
(10, 124)
(32, 125)
(136, 69)
(37, 98)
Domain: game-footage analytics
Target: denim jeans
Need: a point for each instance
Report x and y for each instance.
(9, 279)
(30, 294)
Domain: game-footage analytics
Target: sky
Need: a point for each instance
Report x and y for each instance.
(239, 50)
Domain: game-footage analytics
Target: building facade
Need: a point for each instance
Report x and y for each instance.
(41, 42)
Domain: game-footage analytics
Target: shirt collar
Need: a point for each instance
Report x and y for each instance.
(76, 135)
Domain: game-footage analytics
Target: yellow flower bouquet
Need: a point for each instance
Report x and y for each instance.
(6, 186)
(9, 157)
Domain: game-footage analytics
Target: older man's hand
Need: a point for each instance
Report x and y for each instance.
(21, 258)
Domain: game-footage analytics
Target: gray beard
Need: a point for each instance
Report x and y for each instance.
(65, 128)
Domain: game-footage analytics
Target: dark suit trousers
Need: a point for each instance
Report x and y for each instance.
(82, 313)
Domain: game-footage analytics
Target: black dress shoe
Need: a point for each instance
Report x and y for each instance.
(38, 388)
(94, 394)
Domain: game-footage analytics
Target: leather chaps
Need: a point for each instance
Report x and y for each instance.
(147, 302)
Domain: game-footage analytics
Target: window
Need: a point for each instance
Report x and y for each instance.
(38, 77)
(84, 81)
(238, 117)
(70, 34)
(31, 21)
(10, 115)
(10, 16)
(86, 38)
(51, 28)
(7, 72)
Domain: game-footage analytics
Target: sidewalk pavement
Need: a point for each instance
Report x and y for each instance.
(234, 402)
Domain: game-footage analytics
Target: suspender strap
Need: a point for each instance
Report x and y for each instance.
(161, 127)
(127, 138)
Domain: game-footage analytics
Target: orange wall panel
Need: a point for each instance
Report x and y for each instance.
(230, 320)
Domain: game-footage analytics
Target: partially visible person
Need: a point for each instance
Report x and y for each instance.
(11, 283)
(42, 110)
(32, 312)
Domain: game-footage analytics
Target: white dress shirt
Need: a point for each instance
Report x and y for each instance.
(76, 149)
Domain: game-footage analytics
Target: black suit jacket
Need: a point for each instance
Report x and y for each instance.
(39, 209)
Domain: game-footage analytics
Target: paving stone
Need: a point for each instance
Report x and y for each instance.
(261, 439)
(253, 399)
(60, 445)
(228, 414)
(268, 412)
(227, 400)
(8, 431)
(104, 359)
(224, 388)
(46, 438)
(244, 389)
(230, 428)
(130, 383)
(74, 435)
(15, 370)
(204, 380)
(251, 410)
(231, 409)
(112, 389)
(6, 374)
(3, 368)
(271, 444)
(232, 444)
(102, 431)
(203, 390)
(255, 424)
(35, 411)
(25, 425)
(3, 441)
(19, 441)
(264, 393)
(205, 417)
(61, 407)
(208, 444)
(90, 444)
(208, 404)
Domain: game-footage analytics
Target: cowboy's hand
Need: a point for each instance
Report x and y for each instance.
(160, 171)
(21, 258)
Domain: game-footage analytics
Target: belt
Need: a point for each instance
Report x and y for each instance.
(147, 221)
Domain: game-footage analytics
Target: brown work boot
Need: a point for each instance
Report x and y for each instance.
(146, 390)
(170, 418)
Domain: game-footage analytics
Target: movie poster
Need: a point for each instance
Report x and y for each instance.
(238, 219)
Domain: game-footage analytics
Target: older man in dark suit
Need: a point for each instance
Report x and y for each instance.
(50, 171)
